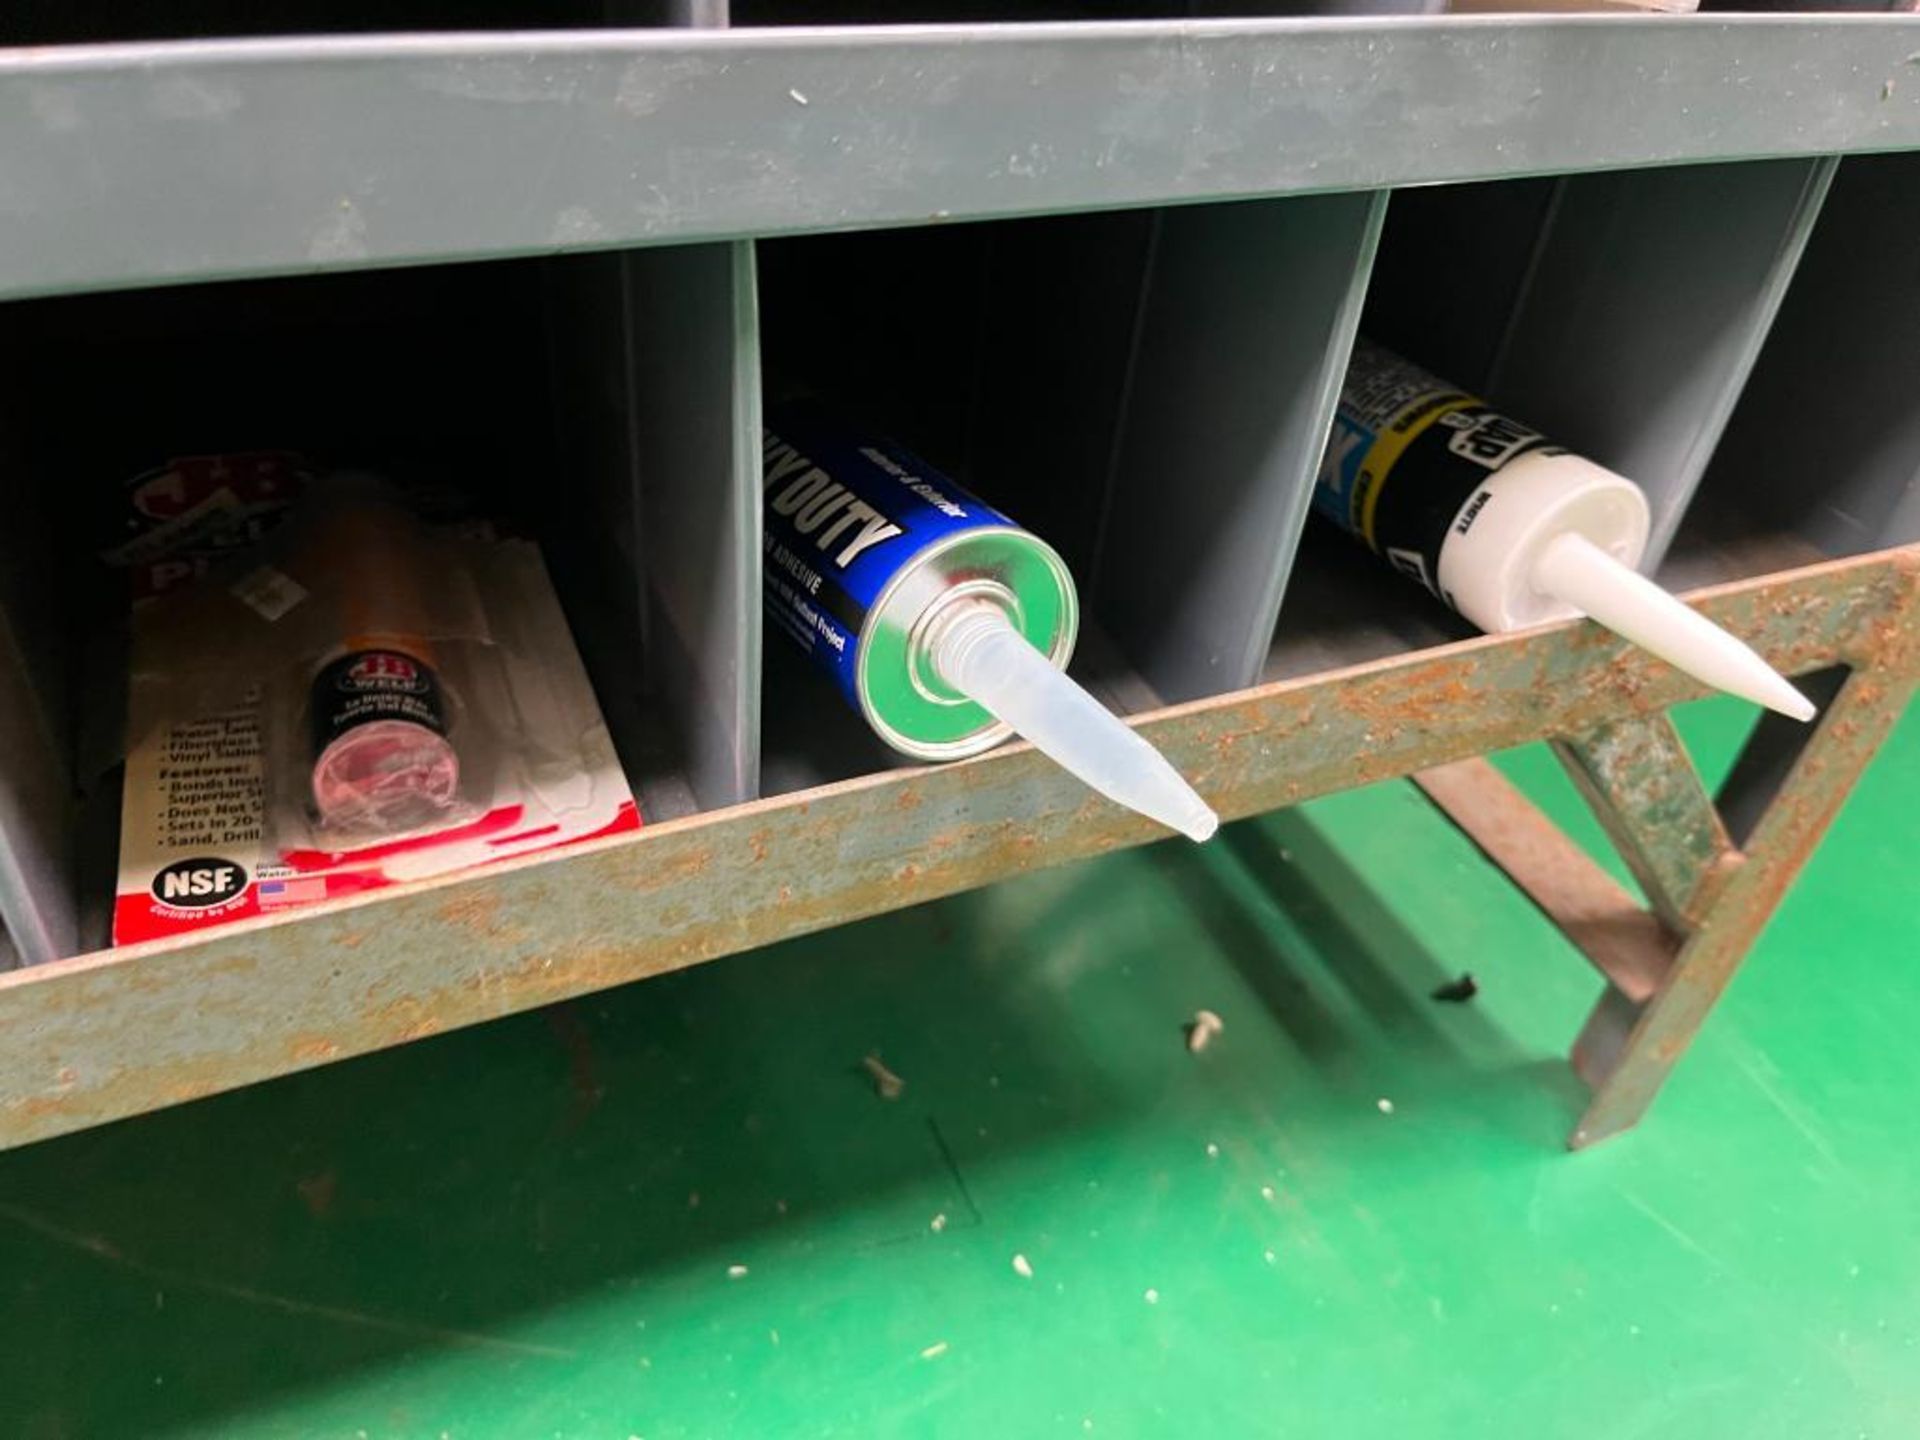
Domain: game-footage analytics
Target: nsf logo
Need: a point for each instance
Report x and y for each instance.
(199, 883)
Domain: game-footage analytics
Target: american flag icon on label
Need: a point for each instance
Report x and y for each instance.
(293, 892)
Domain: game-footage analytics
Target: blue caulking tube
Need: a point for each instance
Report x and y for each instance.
(946, 625)
(1508, 528)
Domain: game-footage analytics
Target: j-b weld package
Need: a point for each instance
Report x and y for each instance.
(362, 699)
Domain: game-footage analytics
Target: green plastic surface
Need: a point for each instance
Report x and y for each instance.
(527, 1230)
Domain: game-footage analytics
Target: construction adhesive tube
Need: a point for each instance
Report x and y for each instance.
(1508, 528)
(944, 624)
(378, 718)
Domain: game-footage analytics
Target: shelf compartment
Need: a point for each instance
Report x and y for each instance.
(445, 375)
(1648, 297)
(999, 353)
(1822, 457)
(1148, 391)
(1247, 313)
(1620, 313)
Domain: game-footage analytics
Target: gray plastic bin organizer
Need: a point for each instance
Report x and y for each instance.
(1177, 228)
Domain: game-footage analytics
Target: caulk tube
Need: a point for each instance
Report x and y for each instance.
(944, 624)
(1508, 528)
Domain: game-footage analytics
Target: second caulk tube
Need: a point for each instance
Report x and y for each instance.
(1508, 528)
(944, 624)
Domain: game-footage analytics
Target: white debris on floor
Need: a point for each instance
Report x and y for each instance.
(886, 1084)
(1202, 1028)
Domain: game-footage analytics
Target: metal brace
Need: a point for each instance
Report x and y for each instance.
(1713, 874)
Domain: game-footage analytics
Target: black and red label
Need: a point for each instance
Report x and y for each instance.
(364, 686)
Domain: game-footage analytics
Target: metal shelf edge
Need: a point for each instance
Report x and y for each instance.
(117, 1033)
(142, 164)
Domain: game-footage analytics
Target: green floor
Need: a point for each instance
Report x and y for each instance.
(533, 1229)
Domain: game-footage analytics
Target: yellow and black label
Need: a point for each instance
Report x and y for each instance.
(1407, 459)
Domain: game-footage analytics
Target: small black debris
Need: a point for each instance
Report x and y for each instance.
(1457, 992)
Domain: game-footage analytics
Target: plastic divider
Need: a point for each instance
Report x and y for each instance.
(1247, 316)
(658, 396)
(38, 811)
(1822, 457)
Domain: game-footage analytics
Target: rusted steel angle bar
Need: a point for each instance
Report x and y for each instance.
(1625, 942)
(103, 1036)
(1642, 786)
(1850, 733)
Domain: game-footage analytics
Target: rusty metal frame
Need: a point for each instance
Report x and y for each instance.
(113, 1034)
(1667, 965)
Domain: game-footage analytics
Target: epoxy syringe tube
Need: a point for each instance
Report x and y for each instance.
(946, 625)
(1508, 528)
(383, 761)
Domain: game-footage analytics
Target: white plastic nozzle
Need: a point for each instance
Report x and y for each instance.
(1551, 532)
(976, 649)
(1573, 569)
